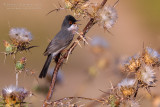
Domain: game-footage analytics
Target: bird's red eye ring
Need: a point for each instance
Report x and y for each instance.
(70, 22)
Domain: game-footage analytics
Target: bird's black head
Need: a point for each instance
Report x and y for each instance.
(68, 21)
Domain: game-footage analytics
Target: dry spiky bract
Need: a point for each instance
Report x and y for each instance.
(9, 48)
(20, 65)
(14, 96)
(113, 101)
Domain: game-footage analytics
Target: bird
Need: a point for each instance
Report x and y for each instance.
(61, 41)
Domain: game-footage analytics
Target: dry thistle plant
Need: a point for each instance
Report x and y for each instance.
(20, 41)
(143, 67)
(14, 96)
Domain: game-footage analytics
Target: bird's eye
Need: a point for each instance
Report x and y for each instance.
(70, 22)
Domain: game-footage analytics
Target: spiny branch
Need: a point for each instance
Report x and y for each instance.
(61, 60)
(83, 98)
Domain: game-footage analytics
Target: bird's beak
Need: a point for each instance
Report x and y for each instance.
(77, 23)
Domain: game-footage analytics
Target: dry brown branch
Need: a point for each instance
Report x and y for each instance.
(84, 98)
(61, 60)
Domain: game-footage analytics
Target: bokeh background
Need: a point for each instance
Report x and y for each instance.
(138, 23)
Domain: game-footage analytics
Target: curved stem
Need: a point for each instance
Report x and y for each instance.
(61, 60)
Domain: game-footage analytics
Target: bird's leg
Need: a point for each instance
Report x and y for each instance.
(64, 51)
(57, 57)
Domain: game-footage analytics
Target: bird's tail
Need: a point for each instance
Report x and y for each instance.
(45, 67)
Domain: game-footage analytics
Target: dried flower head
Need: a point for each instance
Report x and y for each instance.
(21, 38)
(147, 75)
(92, 71)
(98, 44)
(107, 17)
(79, 7)
(99, 41)
(126, 86)
(13, 95)
(151, 56)
(20, 34)
(132, 64)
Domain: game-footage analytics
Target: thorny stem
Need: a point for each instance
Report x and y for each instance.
(61, 60)
(137, 87)
(84, 98)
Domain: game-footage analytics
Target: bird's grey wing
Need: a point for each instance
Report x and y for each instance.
(57, 44)
(53, 47)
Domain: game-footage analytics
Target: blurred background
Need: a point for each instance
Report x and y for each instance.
(87, 71)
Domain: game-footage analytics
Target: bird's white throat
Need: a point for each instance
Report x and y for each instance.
(73, 28)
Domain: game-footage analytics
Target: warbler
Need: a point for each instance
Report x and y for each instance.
(61, 41)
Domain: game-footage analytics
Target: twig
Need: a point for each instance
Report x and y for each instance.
(115, 4)
(84, 98)
(61, 60)
(17, 73)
